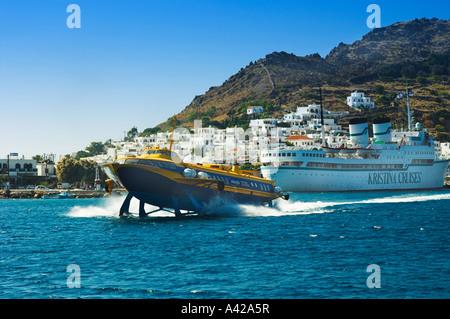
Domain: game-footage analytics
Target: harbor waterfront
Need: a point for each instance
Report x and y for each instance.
(315, 245)
(32, 194)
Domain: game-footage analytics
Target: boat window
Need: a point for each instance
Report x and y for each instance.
(294, 154)
(145, 162)
(131, 161)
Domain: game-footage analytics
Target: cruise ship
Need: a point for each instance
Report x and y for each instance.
(388, 161)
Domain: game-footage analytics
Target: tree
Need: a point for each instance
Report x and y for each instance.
(211, 111)
(383, 100)
(81, 154)
(379, 89)
(69, 170)
(194, 115)
(131, 134)
(38, 158)
(2, 180)
(408, 71)
(439, 70)
(169, 122)
(72, 171)
(96, 148)
(151, 130)
(443, 137)
(89, 170)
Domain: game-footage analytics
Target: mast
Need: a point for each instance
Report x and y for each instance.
(324, 142)
(171, 134)
(7, 183)
(407, 104)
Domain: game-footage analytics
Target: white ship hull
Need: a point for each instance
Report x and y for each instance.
(316, 179)
(393, 161)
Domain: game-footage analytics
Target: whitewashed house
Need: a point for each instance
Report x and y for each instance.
(358, 100)
(254, 110)
(300, 141)
(263, 124)
(18, 167)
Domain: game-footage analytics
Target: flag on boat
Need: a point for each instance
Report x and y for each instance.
(411, 93)
(399, 96)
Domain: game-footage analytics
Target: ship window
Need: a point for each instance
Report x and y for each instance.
(294, 154)
(158, 164)
(131, 161)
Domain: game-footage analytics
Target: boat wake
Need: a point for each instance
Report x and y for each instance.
(223, 208)
(110, 208)
(298, 207)
(406, 199)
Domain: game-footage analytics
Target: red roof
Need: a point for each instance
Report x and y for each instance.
(298, 137)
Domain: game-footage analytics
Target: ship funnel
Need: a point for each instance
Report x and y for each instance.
(382, 130)
(359, 133)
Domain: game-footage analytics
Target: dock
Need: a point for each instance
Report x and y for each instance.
(35, 194)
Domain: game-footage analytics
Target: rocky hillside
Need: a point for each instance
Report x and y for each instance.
(378, 64)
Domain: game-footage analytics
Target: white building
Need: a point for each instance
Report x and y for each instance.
(46, 169)
(254, 110)
(300, 141)
(358, 100)
(263, 124)
(305, 113)
(18, 167)
(329, 125)
(302, 114)
(445, 150)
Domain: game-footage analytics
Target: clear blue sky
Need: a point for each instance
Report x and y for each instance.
(136, 63)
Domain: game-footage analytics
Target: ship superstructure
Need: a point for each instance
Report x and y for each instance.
(389, 161)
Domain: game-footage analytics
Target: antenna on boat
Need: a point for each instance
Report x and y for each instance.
(409, 112)
(324, 142)
(171, 134)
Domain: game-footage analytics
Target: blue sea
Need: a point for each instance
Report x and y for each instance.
(386, 245)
